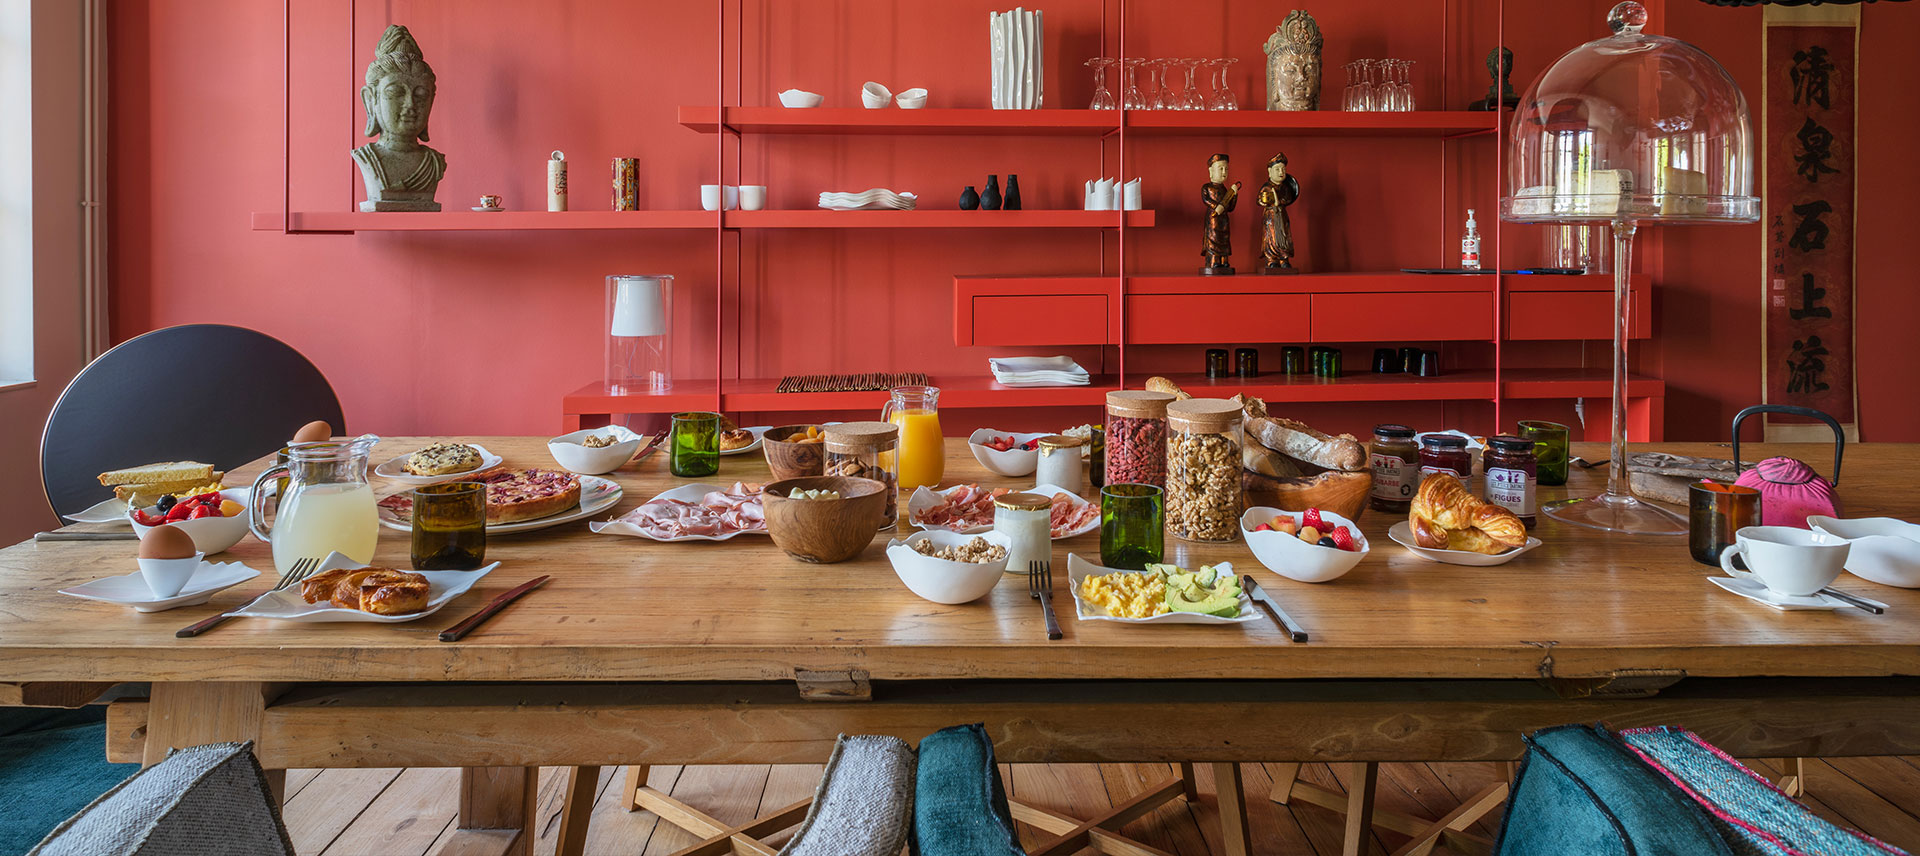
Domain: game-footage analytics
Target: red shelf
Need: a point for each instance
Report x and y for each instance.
(1316, 123)
(477, 221)
(757, 394)
(593, 398)
(1575, 383)
(1355, 386)
(1364, 282)
(892, 120)
(934, 219)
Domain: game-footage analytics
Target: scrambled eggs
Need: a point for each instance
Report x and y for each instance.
(1127, 595)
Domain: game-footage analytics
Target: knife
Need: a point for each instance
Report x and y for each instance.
(85, 536)
(1279, 616)
(458, 631)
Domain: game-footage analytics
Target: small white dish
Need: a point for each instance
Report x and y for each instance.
(569, 451)
(1079, 569)
(944, 580)
(1402, 534)
(479, 208)
(1015, 462)
(1295, 559)
(210, 534)
(287, 604)
(874, 95)
(753, 197)
(166, 577)
(206, 581)
(596, 495)
(683, 493)
(1884, 550)
(394, 469)
(105, 511)
(912, 99)
(800, 98)
(759, 437)
(1755, 590)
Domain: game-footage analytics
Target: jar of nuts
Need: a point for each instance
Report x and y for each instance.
(1203, 469)
(1137, 437)
(867, 450)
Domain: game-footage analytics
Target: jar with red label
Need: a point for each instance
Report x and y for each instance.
(1446, 453)
(1394, 459)
(1512, 473)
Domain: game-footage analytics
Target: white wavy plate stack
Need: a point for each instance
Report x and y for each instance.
(1038, 371)
(1018, 41)
(876, 199)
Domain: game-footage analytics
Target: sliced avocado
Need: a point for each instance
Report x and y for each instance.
(1222, 601)
(1208, 574)
(1162, 569)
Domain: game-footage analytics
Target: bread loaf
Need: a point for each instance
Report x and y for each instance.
(1298, 441)
(1160, 384)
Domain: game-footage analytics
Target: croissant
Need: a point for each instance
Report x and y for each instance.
(381, 591)
(1446, 516)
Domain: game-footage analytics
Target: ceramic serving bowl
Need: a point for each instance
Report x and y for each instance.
(210, 534)
(1884, 550)
(800, 98)
(1015, 462)
(1295, 559)
(874, 95)
(945, 580)
(912, 99)
(824, 530)
(792, 460)
(570, 452)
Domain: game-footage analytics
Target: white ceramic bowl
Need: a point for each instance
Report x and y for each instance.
(1017, 462)
(586, 460)
(941, 580)
(874, 95)
(800, 98)
(912, 99)
(166, 577)
(1295, 559)
(1884, 550)
(210, 534)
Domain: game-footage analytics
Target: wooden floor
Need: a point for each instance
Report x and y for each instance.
(366, 812)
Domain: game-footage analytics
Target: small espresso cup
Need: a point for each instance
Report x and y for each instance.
(490, 201)
(753, 197)
(1793, 562)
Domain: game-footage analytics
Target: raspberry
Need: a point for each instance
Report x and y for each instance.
(1312, 518)
(1342, 538)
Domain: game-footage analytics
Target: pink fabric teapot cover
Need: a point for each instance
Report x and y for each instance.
(1789, 492)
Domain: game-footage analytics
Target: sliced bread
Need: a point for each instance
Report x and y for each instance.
(139, 495)
(171, 471)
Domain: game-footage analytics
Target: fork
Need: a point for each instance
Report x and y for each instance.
(302, 568)
(1040, 585)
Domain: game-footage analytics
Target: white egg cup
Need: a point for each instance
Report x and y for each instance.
(166, 577)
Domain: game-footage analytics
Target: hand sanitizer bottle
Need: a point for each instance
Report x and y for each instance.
(1470, 244)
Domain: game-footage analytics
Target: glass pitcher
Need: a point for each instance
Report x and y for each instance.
(327, 507)
(923, 451)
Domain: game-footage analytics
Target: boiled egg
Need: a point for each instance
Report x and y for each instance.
(166, 542)
(313, 432)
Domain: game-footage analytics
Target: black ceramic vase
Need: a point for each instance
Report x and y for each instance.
(1012, 202)
(969, 199)
(990, 200)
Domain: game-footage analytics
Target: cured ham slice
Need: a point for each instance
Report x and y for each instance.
(969, 506)
(718, 513)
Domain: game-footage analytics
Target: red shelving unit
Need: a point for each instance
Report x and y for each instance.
(936, 218)
(590, 404)
(477, 221)
(894, 121)
(1320, 123)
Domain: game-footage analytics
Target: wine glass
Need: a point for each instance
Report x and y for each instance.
(1404, 80)
(1222, 93)
(1131, 98)
(1157, 80)
(1102, 97)
(1192, 99)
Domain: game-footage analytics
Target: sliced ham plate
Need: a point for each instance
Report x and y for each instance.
(695, 512)
(968, 508)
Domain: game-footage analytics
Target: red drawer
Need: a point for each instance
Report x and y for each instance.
(1186, 319)
(1050, 319)
(1573, 315)
(1407, 317)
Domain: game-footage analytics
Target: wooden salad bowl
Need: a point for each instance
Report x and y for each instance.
(1344, 494)
(825, 530)
(792, 460)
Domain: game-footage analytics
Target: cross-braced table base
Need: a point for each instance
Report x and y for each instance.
(1357, 805)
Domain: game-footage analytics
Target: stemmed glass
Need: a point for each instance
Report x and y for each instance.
(1102, 97)
(1131, 98)
(1192, 99)
(1222, 94)
(1157, 78)
(1403, 86)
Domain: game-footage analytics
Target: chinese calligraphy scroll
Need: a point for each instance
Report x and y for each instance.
(1809, 183)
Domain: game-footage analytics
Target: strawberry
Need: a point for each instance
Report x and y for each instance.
(1312, 518)
(1342, 538)
(141, 517)
(1263, 528)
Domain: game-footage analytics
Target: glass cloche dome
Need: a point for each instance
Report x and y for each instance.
(1632, 127)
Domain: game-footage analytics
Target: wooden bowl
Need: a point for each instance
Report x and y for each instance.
(1344, 494)
(825, 530)
(793, 460)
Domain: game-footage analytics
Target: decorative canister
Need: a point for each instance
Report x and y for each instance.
(557, 181)
(626, 184)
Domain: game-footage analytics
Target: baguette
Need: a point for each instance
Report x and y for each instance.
(1160, 384)
(1298, 441)
(171, 471)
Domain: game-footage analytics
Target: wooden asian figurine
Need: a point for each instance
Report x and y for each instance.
(1500, 91)
(1293, 63)
(1276, 233)
(1219, 199)
(401, 174)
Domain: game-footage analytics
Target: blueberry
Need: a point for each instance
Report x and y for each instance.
(166, 503)
(1327, 542)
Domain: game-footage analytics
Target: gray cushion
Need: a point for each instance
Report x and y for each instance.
(209, 800)
(864, 802)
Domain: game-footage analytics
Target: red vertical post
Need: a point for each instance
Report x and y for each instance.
(720, 211)
(1120, 241)
(1499, 258)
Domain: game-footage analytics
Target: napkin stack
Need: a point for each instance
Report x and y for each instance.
(1038, 371)
(877, 199)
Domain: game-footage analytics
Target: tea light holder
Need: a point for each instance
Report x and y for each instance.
(639, 325)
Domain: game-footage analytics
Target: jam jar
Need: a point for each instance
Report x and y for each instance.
(1446, 453)
(1394, 459)
(1512, 473)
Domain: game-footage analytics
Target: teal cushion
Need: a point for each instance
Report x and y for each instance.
(1580, 790)
(49, 773)
(959, 805)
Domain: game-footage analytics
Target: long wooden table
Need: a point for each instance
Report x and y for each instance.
(639, 653)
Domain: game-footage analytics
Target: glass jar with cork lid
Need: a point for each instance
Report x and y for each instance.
(1203, 469)
(867, 450)
(1137, 437)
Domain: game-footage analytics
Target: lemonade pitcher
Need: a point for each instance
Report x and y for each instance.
(328, 505)
(923, 451)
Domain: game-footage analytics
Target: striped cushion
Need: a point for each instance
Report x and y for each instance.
(864, 801)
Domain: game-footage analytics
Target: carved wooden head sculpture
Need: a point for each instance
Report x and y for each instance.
(1293, 63)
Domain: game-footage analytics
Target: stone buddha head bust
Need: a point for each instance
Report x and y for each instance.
(1293, 63)
(400, 173)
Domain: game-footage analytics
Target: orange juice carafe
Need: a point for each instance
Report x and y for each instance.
(923, 451)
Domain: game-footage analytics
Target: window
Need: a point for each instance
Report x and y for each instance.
(16, 196)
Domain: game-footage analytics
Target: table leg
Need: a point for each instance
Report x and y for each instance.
(576, 810)
(1235, 836)
(186, 714)
(1358, 839)
(500, 799)
(636, 779)
(1189, 788)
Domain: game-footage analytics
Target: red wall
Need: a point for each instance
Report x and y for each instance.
(483, 332)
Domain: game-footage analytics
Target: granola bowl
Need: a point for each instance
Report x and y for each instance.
(946, 580)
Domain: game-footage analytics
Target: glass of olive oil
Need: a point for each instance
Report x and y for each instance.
(449, 526)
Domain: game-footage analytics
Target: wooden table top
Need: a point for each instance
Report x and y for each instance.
(628, 609)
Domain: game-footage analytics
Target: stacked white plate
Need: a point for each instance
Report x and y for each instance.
(1038, 371)
(877, 199)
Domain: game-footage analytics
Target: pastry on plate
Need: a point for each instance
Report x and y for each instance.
(441, 459)
(738, 438)
(1446, 516)
(380, 591)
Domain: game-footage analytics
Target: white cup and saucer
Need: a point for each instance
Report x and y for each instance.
(1787, 567)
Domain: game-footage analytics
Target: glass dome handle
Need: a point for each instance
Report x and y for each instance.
(1627, 18)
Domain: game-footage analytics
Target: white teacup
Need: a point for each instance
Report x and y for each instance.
(711, 196)
(1793, 562)
(753, 197)
(166, 577)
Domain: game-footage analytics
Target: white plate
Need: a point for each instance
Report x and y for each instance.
(131, 590)
(489, 210)
(1754, 590)
(596, 495)
(684, 493)
(1079, 569)
(287, 605)
(106, 511)
(1402, 534)
(759, 434)
(924, 498)
(392, 468)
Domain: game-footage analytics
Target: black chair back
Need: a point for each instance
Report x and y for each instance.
(199, 392)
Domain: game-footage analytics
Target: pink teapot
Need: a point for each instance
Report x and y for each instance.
(1790, 490)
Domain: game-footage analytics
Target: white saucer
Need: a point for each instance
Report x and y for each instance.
(131, 590)
(394, 469)
(1754, 590)
(1402, 534)
(105, 511)
(478, 208)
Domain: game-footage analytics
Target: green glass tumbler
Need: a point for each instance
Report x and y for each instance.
(1133, 526)
(1549, 449)
(694, 448)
